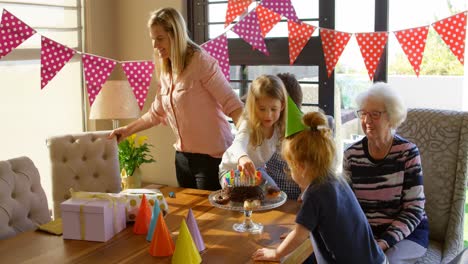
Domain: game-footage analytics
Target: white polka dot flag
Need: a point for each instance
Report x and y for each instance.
(371, 45)
(234, 9)
(299, 35)
(96, 71)
(282, 7)
(218, 48)
(249, 30)
(13, 32)
(333, 43)
(267, 18)
(453, 31)
(413, 42)
(53, 57)
(139, 75)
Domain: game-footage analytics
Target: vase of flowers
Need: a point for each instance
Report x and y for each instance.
(133, 152)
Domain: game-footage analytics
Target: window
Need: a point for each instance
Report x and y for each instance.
(206, 21)
(29, 114)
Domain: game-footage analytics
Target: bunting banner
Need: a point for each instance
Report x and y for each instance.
(96, 71)
(218, 49)
(299, 35)
(249, 30)
(413, 42)
(53, 57)
(282, 7)
(371, 45)
(139, 75)
(453, 31)
(267, 18)
(13, 32)
(234, 9)
(333, 43)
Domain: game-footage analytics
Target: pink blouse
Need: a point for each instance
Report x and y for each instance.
(196, 106)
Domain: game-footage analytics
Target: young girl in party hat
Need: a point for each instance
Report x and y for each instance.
(329, 214)
(260, 130)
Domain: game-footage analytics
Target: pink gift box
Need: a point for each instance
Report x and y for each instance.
(97, 219)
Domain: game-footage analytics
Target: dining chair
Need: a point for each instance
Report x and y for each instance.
(442, 139)
(87, 161)
(23, 203)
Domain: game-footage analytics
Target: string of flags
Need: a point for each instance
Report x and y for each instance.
(252, 28)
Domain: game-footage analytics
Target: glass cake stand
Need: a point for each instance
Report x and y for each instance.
(248, 225)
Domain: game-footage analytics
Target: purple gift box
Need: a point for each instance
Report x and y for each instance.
(96, 219)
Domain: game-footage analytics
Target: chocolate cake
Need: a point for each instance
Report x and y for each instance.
(241, 193)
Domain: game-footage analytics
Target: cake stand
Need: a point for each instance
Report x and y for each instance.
(248, 225)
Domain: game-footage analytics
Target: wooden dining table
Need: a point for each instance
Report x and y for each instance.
(223, 244)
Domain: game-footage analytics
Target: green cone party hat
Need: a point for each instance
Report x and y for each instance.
(293, 119)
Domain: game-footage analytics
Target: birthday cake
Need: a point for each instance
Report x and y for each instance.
(240, 190)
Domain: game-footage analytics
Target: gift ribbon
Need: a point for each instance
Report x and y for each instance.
(89, 197)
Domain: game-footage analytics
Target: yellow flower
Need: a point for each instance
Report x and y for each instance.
(141, 140)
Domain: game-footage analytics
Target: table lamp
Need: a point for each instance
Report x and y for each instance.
(115, 101)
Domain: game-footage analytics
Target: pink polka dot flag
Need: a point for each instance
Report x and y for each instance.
(218, 48)
(333, 43)
(267, 18)
(413, 42)
(299, 35)
(139, 75)
(282, 7)
(53, 57)
(453, 31)
(13, 32)
(96, 71)
(234, 9)
(249, 30)
(371, 45)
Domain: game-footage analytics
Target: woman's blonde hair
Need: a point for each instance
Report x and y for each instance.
(265, 85)
(312, 149)
(182, 47)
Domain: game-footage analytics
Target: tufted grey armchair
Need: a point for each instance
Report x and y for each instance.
(23, 203)
(85, 162)
(442, 138)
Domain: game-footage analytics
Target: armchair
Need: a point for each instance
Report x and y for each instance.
(442, 139)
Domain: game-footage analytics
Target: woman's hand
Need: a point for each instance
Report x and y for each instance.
(246, 165)
(120, 133)
(266, 254)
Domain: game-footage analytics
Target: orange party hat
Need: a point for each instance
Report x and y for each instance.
(186, 251)
(162, 244)
(143, 218)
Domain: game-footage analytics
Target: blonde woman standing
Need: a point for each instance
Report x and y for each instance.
(193, 98)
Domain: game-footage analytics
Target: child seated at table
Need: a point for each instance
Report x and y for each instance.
(330, 214)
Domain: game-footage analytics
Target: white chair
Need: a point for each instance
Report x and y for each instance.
(23, 203)
(85, 162)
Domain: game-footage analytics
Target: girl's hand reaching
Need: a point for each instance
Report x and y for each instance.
(120, 133)
(267, 254)
(246, 165)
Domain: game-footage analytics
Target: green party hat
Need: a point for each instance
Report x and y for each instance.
(293, 119)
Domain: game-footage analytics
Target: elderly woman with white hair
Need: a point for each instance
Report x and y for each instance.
(385, 174)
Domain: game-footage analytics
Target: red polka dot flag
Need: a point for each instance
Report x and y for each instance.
(234, 9)
(371, 45)
(96, 71)
(453, 31)
(267, 18)
(299, 35)
(13, 32)
(333, 43)
(218, 48)
(413, 42)
(53, 57)
(139, 75)
(249, 30)
(282, 7)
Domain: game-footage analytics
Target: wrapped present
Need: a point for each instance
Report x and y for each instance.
(93, 216)
(133, 197)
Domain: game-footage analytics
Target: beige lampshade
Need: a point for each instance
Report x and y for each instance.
(115, 101)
